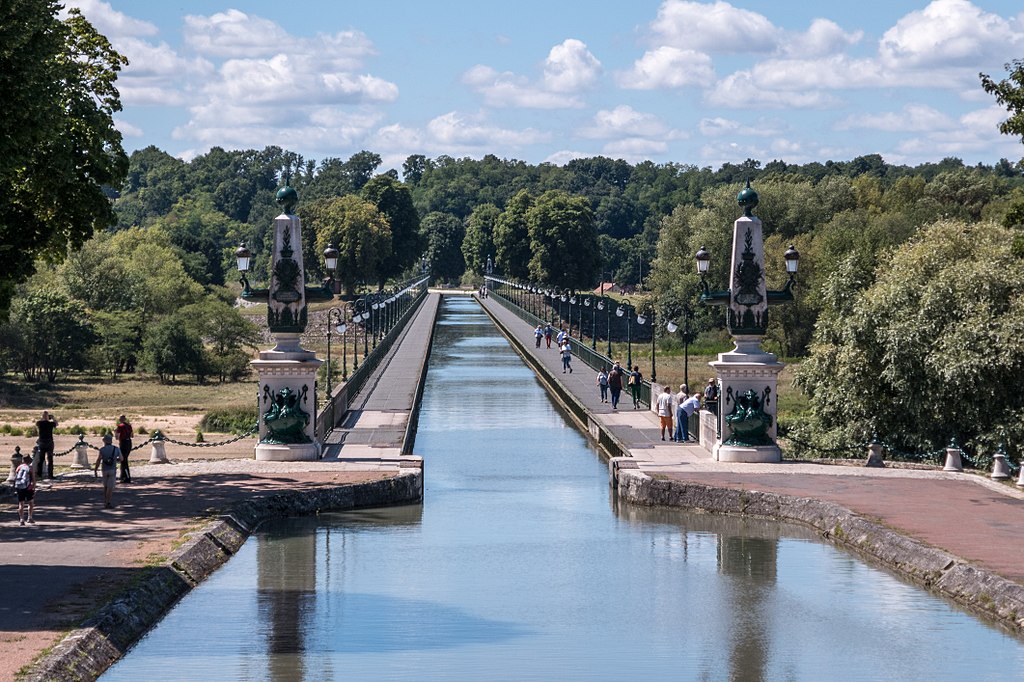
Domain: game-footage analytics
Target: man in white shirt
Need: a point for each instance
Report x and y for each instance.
(665, 411)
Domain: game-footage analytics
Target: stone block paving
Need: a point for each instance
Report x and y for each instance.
(966, 514)
(78, 555)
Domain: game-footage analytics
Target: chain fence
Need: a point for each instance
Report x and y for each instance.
(160, 437)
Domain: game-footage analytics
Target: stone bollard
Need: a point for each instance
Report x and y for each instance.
(81, 454)
(1020, 479)
(16, 460)
(1000, 467)
(874, 454)
(157, 455)
(953, 461)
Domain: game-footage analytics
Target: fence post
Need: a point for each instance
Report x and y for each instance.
(16, 460)
(953, 461)
(874, 453)
(1000, 468)
(157, 454)
(81, 453)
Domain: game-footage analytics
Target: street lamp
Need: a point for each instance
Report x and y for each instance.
(603, 304)
(640, 319)
(688, 336)
(623, 310)
(341, 328)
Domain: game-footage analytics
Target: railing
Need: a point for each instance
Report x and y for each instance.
(337, 404)
(590, 357)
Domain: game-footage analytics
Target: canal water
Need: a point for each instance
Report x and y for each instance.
(520, 565)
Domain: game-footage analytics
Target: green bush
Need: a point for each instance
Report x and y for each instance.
(235, 420)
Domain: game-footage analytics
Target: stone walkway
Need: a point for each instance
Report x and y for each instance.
(966, 514)
(78, 555)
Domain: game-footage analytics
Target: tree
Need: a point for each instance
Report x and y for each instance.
(512, 237)
(119, 341)
(360, 232)
(1009, 92)
(56, 331)
(413, 168)
(360, 167)
(478, 245)
(444, 234)
(394, 200)
(172, 348)
(228, 335)
(933, 348)
(59, 148)
(563, 240)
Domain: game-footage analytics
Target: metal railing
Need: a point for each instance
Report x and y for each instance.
(587, 355)
(337, 404)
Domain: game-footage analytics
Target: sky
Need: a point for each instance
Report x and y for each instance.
(702, 83)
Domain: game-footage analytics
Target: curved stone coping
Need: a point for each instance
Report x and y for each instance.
(973, 587)
(105, 637)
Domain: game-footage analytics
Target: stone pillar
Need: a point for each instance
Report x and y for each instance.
(16, 460)
(81, 454)
(157, 453)
(1000, 468)
(953, 461)
(874, 455)
(286, 374)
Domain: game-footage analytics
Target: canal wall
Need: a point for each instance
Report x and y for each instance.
(105, 637)
(979, 590)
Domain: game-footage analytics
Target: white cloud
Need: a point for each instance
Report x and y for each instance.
(948, 33)
(713, 27)
(634, 148)
(718, 127)
(912, 118)
(976, 134)
(110, 22)
(623, 121)
(668, 67)
(741, 91)
(234, 34)
(457, 130)
(127, 129)
(823, 38)
(570, 67)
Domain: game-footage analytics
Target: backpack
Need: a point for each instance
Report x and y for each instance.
(22, 479)
(110, 458)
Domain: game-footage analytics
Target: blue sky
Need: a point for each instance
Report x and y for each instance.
(671, 80)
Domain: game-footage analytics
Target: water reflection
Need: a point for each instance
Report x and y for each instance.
(520, 565)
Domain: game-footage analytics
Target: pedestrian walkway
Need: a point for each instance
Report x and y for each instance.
(378, 418)
(966, 514)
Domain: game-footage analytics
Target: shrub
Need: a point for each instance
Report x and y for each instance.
(235, 420)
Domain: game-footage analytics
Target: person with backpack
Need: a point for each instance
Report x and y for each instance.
(538, 334)
(615, 384)
(25, 486)
(602, 382)
(548, 331)
(566, 349)
(636, 381)
(109, 456)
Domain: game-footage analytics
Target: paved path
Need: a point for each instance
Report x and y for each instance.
(78, 555)
(965, 514)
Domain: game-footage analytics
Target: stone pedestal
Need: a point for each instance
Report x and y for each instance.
(747, 368)
(287, 366)
(81, 455)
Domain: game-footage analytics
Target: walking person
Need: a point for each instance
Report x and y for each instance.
(109, 456)
(602, 382)
(665, 412)
(636, 381)
(615, 384)
(539, 334)
(680, 434)
(688, 408)
(45, 427)
(548, 331)
(566, 357)
(124, 434)
(25, 486)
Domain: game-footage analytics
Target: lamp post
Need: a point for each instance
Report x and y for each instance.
(748, 374)
(363, 318)
(592, 304)
(688, 336)
(641, 320)
(623, 310)
(341, 329)
(605, 305)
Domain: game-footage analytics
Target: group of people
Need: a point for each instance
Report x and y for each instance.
(563, 343)
(611, 381)
(679, 406)
(109, 457)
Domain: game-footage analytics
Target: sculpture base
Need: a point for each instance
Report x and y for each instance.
(300, 452)
(760, 454)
